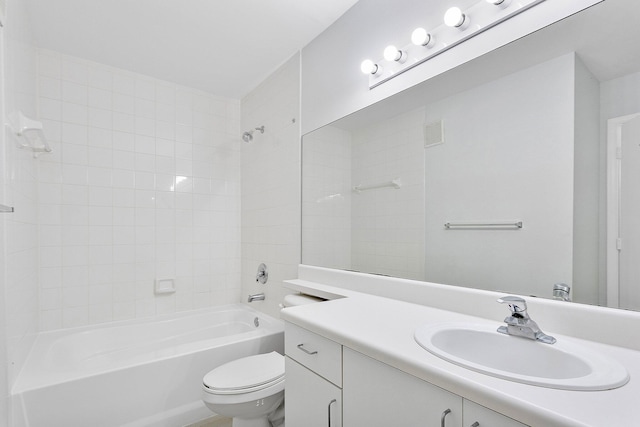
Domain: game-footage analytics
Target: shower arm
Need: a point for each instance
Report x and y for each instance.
(248, 135)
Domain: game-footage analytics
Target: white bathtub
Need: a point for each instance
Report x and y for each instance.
(136, 373)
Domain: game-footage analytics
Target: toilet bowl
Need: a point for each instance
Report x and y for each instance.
(249, 389)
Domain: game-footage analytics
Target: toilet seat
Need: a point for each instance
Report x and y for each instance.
(218, 391)
(246, 375)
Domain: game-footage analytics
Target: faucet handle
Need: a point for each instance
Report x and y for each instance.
(516, 304)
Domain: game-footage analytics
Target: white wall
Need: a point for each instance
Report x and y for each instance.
(143, 183)
(271, 185)
(620, 97)
(332, 83)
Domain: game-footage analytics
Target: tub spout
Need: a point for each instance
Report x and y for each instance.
(256, 297)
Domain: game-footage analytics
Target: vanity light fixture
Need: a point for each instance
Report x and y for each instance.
(369, 67)
(502, 4)
(392, 53)
(454, 17)
(420, 37)
(478, 17)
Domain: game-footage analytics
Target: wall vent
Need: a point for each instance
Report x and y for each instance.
(433, 134)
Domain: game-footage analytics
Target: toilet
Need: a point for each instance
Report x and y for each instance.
(251, 389)
(248, 390)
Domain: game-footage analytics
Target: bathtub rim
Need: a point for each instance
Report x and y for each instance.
(24, 385)
(159, 317)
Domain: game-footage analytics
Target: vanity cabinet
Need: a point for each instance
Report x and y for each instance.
(328, 385)
(313, 385)
(310, 400)
(473, 413)
(377, 395)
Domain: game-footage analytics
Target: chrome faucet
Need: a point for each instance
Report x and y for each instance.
(519, 323)
(561, 291)
(256, 297)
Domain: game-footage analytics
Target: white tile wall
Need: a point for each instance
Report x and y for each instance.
(379, 230)
(271, 185)
(144, 183)
(326, 198)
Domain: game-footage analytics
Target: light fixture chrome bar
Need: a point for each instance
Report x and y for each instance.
(6, 209)
(394, 183)
(483, 16)
(496, 224)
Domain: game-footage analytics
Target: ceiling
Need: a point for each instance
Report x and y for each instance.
(225, 47)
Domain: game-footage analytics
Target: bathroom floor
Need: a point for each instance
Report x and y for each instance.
(213, 422)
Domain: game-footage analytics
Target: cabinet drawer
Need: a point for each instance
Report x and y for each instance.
(319, 354)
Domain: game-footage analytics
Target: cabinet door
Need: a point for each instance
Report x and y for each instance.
(377, 395)
(479, 416)
(310, 401)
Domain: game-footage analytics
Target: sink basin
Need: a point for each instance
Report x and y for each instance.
(564, 365)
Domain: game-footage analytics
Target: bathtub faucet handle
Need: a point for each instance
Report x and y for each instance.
(263, 274)
(256, 297)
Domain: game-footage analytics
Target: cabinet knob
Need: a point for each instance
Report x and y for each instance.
(444, 416)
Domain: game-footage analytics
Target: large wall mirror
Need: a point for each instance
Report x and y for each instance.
(514, 172)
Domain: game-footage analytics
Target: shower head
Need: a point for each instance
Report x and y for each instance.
(248, 136)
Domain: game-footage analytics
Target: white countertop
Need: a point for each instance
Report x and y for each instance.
(383, 329)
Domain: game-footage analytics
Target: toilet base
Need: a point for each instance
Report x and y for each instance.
(272, 419)
(266, 412)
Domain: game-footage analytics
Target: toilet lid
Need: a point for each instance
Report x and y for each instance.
(249, 373)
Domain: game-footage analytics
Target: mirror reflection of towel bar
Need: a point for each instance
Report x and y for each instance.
(394, 183)
(506, 224)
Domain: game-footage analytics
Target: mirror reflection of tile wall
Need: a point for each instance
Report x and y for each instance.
(388, 223)
(380, 230)
(326, 198)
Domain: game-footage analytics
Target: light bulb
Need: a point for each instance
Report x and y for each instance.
(420, 37)
(454, 17)
(369, 67)
(391, 53)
